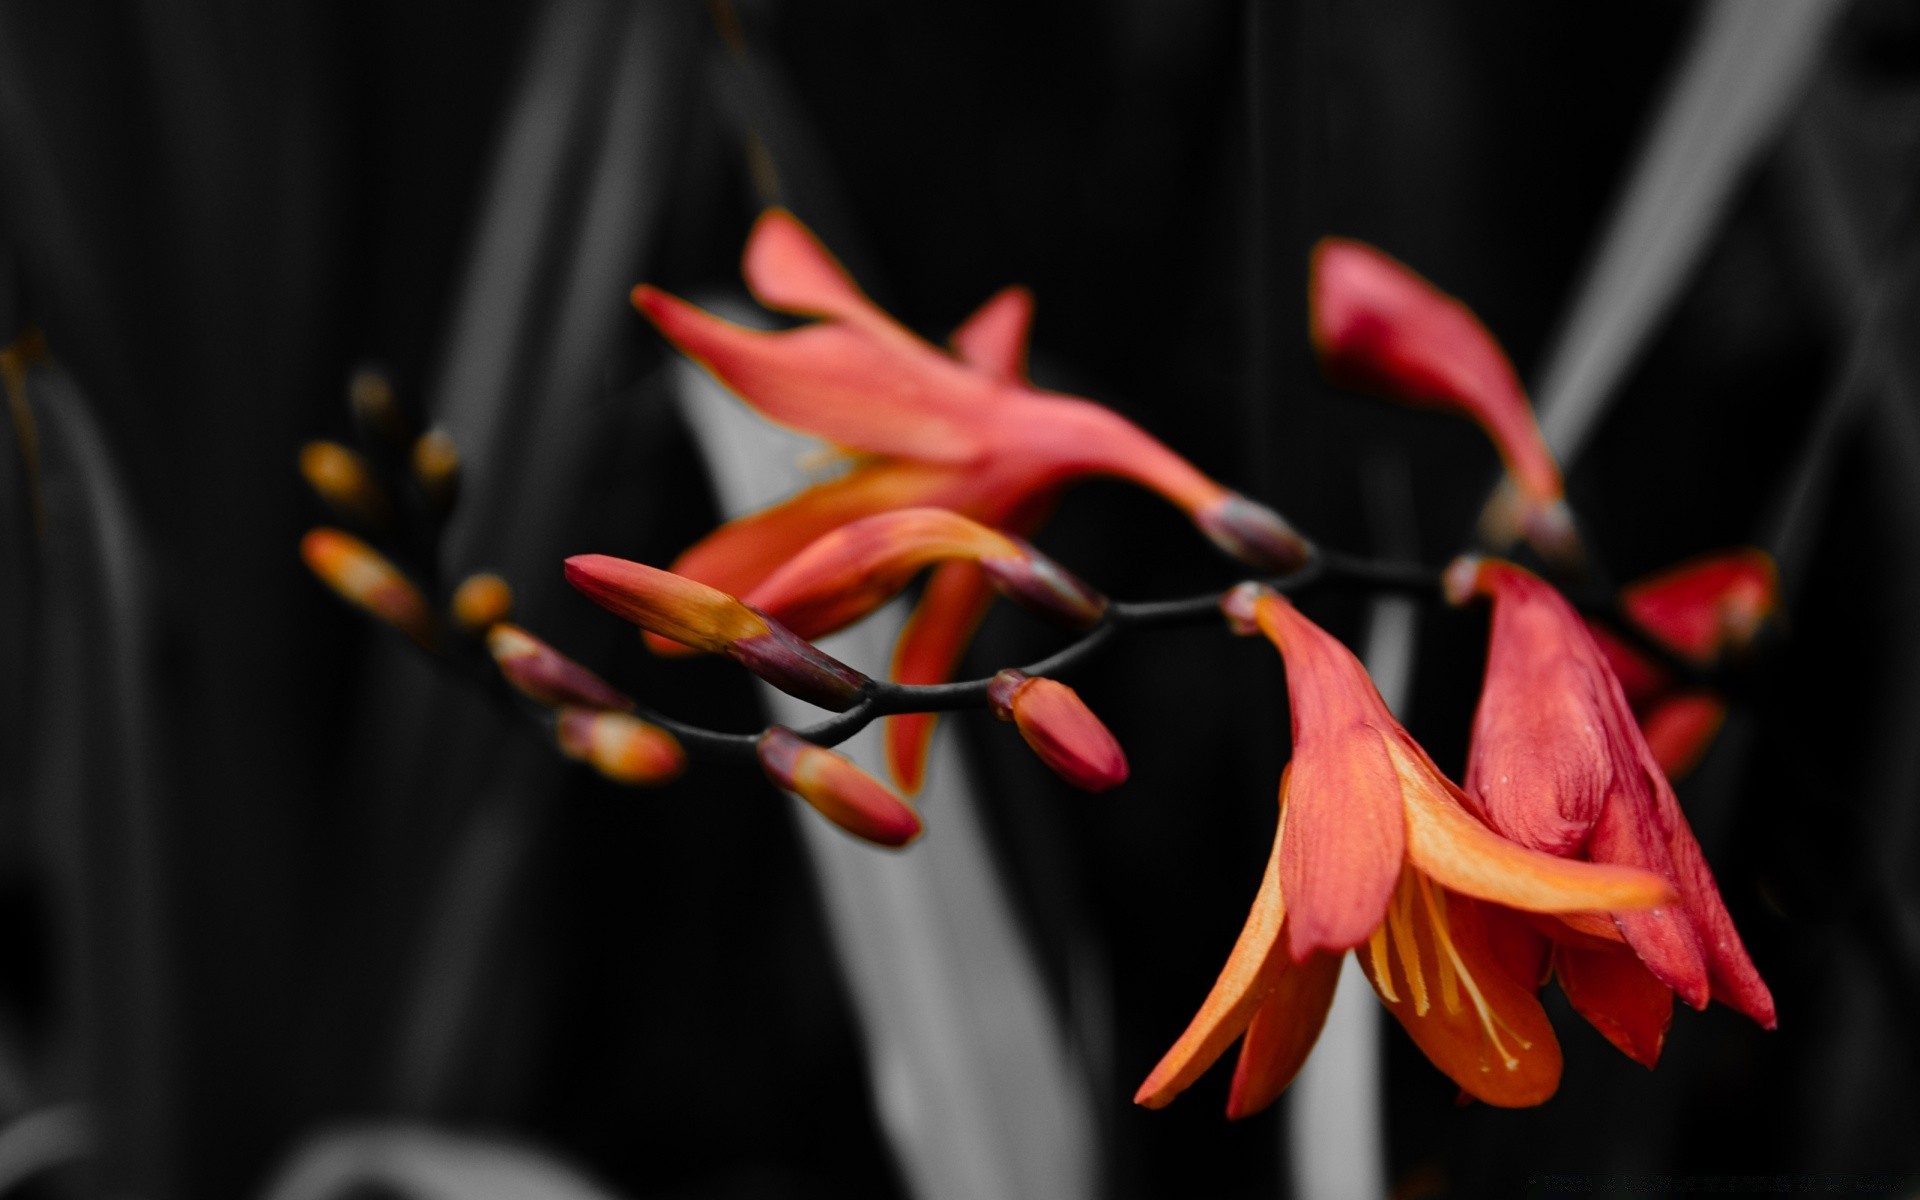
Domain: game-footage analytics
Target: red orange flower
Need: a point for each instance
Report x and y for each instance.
(965, 432)
(1558, 764)
(1705, 611)
(1379, 327)
(1377, 849)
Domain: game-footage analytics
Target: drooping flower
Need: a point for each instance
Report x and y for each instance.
(1705, 611)
(709, 620)
(1380, 327)
(1378, 852)
(1558, 764)
(840, 791)
(963, 431)
(1060, 728)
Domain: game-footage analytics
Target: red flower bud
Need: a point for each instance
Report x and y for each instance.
(623, 748)
(842, 792)
(546, 675)
(1254, 534)
(1061, 729)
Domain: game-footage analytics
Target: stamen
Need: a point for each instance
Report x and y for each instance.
(1488, 1018)
(1400, 924)
(1449, 981)
(1377, 952)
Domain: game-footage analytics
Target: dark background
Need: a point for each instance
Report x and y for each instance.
(262, 871)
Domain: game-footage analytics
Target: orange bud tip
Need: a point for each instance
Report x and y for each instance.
(799, 668)
(370, 395)
(622, 747)
(341, 478)
(1240, 605)
(367, 580)
(1254, 534)
(481, 601)
(546, 675)
(840, 791)
(436, 467)
(1041, 585)
(1060, 728)
(1461, 580)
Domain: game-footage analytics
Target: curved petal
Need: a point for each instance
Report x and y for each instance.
(1252, 971)
(1447, 989)
(994, 338)
(1619, 997)
(789, 270)
(956, 598)
(1444, 841)
(838, 381)
(1665, 938)
(1282, 1033)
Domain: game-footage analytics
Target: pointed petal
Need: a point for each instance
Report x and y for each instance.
(1680, 728)
(1736, 982)
(1380, 327)
(1488, 1033)
(847, 573)
(1282, 1034)
(1252, 971)
(1445, 841)
(994, 338)
(837, 381)
(1619, 997)
(1665, 938)
(956, 598)
(789, 270)
(1346, 836)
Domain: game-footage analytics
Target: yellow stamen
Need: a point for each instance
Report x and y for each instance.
(1382, 977)
(1488, 1018)
(1400, 924)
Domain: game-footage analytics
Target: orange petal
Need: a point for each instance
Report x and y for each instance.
(1445, 841)
(1448, 990)
(956, 598)
(838, 381)
(1346, 836)
(1380, 327)
(1680, 727)
(1619, 997)
(840, 791)
(665, 603)
(788, 269)
(1282, 1033)
(994, 338)
(1252, 972)
(1706, 607)
(480, 601)
(1060, 728)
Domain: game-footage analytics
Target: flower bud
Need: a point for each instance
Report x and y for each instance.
(436, 467)
(705, 618)
(1061, 729)
(341, 478)
(1254, 534)
(622, 747)
(480, 601)
(370, 395)
(842, 792)
(545, 674)
(363, 577)
(1041, 585)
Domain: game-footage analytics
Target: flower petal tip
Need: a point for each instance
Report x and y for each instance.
(1254, 534)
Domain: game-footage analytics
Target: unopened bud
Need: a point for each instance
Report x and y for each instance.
(1254, 534)
(622, 747)
(341, 478)
(1041, 585)
(370, 395)
(1061, 729)
(481, 601)
(436, 467)
(363, 577)
(545, 674)
(840, 791)
(708, 619)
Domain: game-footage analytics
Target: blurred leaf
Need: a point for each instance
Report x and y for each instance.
(421, 1163)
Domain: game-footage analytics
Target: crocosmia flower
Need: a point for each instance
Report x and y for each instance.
(1704, 611)
(1378, 852)
(1558, 764)
(1381, 328)
(1060, 728)
(923, 428)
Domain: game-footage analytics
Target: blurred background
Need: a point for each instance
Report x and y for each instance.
(288, 913)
